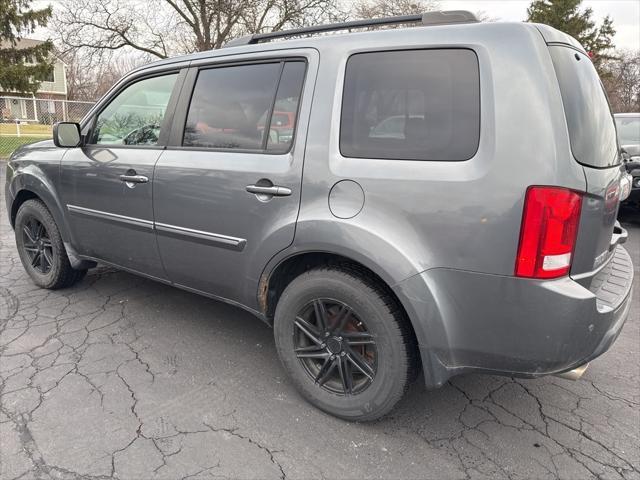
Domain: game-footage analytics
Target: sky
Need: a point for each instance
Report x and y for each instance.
(625, 14)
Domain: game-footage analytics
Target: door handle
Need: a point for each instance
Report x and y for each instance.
(134, 178)
(273, 190)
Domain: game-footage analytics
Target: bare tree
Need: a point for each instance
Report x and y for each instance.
(161, 28)
(392, 8)
(89, 77)
(621, 79)
(79, 78)
(483, 16)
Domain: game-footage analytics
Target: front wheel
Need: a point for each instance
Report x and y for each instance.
(344, 342)
(41, 248)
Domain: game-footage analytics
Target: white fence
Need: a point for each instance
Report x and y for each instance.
(27, 119)
(39, 111)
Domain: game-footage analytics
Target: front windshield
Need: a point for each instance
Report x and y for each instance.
(628, 130)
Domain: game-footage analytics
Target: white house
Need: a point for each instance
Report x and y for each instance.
(20, 106)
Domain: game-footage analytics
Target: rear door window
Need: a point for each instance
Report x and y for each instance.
(285, 108)
(411, 105)
(589, 120)
(245, 107)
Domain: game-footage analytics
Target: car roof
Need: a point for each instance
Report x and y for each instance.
(348, 40)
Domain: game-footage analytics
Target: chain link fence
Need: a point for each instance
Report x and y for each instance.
(26, 119)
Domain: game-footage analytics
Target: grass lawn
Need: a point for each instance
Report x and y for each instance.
(30, 129)
(9, 144)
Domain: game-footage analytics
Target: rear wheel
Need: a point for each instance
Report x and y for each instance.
(344, 342)
(41, 248)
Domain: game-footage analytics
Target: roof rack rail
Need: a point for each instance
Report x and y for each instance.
(429, 18)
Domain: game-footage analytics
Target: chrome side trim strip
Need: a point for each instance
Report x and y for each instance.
(114, 217)
(224, 241)
(200, 236)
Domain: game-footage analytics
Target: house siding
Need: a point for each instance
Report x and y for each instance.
(56, 90)
(59, 84)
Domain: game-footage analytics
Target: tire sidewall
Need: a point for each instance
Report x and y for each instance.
(391, 375)
(38, 211)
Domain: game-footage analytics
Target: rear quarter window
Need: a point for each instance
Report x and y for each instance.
(411, 105)
(589, 119)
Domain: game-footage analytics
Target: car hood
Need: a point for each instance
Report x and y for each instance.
(29, 149)
(40, 144)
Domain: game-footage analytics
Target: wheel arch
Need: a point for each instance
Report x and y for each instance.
(21, 197)
(274, 281)
(32, 183)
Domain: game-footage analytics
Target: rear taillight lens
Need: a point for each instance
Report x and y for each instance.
(548, 232)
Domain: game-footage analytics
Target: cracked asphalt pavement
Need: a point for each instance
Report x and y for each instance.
(123, 377)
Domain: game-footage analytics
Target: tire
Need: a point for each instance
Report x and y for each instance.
(44, 258)
(391, 361)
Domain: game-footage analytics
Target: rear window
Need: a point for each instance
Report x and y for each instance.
(591, 129)
(411, 105)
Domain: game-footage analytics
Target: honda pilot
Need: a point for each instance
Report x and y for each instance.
(439, 198)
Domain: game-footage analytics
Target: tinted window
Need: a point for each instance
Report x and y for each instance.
(135, 115)
(233, 107)
(628, 130)
(285, 110)
(412, 105)
(589, 120)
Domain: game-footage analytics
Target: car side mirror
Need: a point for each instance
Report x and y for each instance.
(66, 134)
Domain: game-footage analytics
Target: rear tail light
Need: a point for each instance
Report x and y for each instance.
(548, 232)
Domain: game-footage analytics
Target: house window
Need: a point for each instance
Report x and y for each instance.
(50, 77)
(29, 61)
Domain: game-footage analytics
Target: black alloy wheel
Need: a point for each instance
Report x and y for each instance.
(335, 347)
(37, 245)
(41, 247)
(344, 341)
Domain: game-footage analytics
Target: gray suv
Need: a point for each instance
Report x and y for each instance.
(440, 199)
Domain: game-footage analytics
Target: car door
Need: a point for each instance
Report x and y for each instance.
(106, 184)
(227, 189)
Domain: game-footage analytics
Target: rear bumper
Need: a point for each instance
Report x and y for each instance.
(467, 321)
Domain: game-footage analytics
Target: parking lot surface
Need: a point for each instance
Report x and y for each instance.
(123, 377)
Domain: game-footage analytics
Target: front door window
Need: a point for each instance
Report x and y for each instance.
(136, 115)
